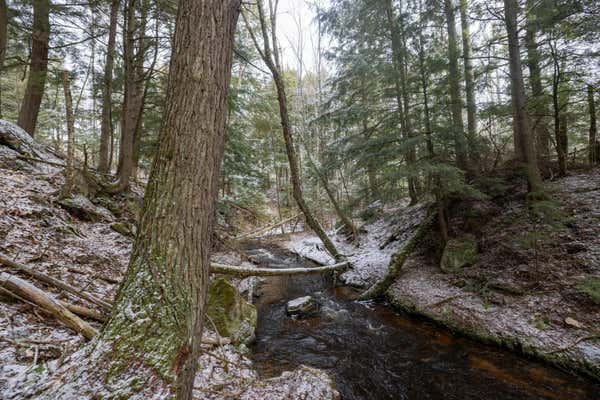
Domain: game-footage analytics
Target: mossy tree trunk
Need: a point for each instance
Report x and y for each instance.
(152, 341)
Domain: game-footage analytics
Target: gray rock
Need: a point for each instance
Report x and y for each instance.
(302, 306)
(81, 207)
(459, 253)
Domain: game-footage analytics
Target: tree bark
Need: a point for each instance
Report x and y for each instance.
(132, 98)
(402, 97)
(106, 122)
(469, 85)
(156, 325)
(594, 146)
(456, 103)
(69, 171)
(523, 141)
(30, 107)
(3, 31)
(540, 126)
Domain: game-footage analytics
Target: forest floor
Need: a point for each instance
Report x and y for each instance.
(84, 250)
(526, 288)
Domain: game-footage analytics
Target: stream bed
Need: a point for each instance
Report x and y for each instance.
(374, 352)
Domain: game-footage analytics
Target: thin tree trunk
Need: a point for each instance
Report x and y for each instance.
(132, 98)
(469, 86)
(561, 139)
(540, 126)
(402, 98)
(69, 181)
(157, 322)
(523, 141)
(593, 154)
(3, 31)
(30, 107)
(271, 58)
(106, 123)
(456, 103)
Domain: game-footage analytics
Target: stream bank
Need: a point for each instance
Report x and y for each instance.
(374, 352)
(527, 300)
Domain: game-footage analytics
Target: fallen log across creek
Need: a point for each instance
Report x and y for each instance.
(249, 271)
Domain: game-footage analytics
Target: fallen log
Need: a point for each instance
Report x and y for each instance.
(22, 289)
(53, 281)
(397, 261)
(84, 311)
(267, 228)
(247, 271)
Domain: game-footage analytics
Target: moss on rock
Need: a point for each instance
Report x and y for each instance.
(458, 253)
(232, 315)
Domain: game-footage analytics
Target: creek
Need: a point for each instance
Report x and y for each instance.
(375, 352)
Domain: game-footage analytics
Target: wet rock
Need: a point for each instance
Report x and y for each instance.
(459, 253)
(82, 208)
(232, 315)
(302, 306)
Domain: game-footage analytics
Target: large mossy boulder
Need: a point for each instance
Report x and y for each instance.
(233, 316)
(459, 253)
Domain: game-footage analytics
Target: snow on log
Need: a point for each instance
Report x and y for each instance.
(24, 290)
(248, 271)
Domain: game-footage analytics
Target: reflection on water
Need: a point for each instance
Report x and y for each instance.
(375, 353)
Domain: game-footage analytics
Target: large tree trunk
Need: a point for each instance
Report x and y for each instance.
(594, 146)
(155, 330)
(30, 107)
(70, 173)
(540, 126)
(402, 97)
(106, 123)
(456, 103)
(523, 141)
(469, 85)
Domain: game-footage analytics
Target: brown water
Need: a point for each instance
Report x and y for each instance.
(373, 352)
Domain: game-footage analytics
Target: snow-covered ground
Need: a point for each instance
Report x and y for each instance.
(513, 296)
(37, 231)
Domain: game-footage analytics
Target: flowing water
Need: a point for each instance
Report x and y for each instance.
(373, 352)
